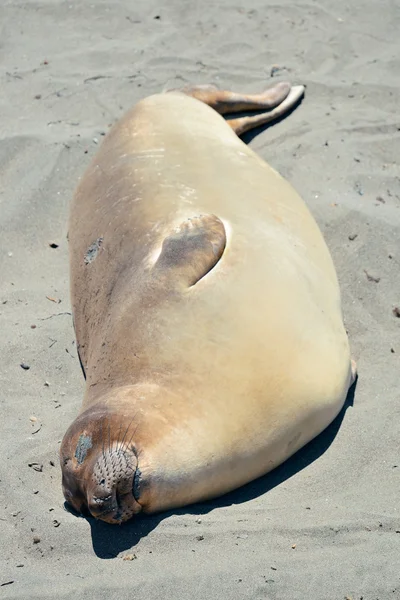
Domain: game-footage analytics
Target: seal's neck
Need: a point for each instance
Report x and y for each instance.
(116, 396)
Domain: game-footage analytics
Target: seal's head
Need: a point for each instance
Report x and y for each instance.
(99, 466)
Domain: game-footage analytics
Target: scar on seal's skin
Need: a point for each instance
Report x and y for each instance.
(84, 444)
(93, 250)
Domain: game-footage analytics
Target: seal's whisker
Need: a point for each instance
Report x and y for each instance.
(121, 441)
(109, 436)
(128, 442)
(134, 432)
(119, 435)
(102, 439)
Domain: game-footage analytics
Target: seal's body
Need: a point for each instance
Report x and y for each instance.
(207, 314)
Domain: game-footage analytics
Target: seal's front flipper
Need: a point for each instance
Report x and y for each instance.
(192, 250)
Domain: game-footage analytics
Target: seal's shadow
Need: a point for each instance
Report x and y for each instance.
(109, 540)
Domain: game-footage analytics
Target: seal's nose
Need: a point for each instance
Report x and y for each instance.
(110, 492)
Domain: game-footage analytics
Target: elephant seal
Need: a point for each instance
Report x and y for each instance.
(206, 308)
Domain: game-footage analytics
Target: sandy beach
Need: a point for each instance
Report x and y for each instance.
(326, 524)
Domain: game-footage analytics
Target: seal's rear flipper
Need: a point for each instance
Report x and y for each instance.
(243, 124)
(192, 250)
(277, 100)
(224, 101)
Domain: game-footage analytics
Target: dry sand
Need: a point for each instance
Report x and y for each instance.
(326, 524)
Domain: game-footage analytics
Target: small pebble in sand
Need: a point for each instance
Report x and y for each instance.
(199, 538)
(358, 188)
(353, 236)
(53, 245)
(277, 70)
(36, 539)
(36, 466)
(396, 311)
(25, 366)
(373, 278)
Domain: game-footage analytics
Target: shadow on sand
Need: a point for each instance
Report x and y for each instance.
(110, 540)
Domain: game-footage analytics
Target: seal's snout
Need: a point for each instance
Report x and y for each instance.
(100, 472)
(110, 490)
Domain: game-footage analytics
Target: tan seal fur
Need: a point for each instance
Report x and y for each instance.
(206, 307)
